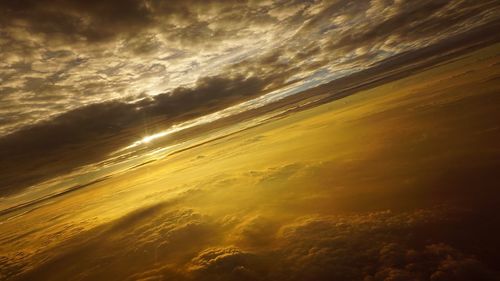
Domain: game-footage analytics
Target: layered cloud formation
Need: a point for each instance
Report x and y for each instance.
(59, 56)
(82, 79)
(398, 182)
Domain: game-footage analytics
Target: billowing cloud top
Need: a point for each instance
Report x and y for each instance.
(74, 72)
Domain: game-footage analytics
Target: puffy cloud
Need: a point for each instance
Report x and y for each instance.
(171, 242)
(433, 262)
(130, 245)
(227, 264)
(378, 246)
(255, 232)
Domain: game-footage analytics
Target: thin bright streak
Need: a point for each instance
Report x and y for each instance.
(233, 110)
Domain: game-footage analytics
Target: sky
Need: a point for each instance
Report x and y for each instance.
(396, 182)
(249, 140)
(96, 76)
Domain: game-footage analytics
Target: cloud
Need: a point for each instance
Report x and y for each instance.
(73, 20)
(370, 247)
(128, 245)
(255, 232)
(280, 174)
(172, 242)
(226, 264)
(64, 45)
(433, 262)
(76, 138)
(70, 70)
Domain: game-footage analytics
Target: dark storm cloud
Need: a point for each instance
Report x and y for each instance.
(209, 94)
(409, 22)
(69, 69)
(77, 20)
(83, 135)
(97, 21)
